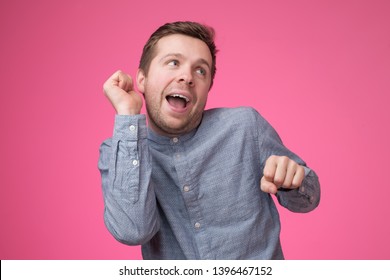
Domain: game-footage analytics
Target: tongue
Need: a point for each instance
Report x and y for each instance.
(176, 102)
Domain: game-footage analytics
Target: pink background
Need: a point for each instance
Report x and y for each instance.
(319, 71)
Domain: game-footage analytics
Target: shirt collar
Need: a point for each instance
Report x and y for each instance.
(160, 139)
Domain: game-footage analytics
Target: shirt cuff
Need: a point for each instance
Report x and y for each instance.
(303, 199)
(130, 128)
(307, 187)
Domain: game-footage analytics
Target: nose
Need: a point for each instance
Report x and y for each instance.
(186, 77)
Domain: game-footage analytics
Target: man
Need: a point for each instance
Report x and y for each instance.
(195, 184)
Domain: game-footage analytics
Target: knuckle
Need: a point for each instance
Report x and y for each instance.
(295, 185)
(292, 163)
(284, 160)
(298, 179)
(278, 181)
(287, 184)
(267, 174)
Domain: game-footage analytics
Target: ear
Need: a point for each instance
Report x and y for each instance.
(141, 80)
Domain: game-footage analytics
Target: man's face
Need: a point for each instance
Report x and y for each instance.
(177, 84)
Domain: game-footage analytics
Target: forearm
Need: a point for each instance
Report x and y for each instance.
(130, 210)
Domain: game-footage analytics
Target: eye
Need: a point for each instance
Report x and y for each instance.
(201, 71)
(173, 62)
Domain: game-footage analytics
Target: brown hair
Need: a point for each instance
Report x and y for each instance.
(192, 29)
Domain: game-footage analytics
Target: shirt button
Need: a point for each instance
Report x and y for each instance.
(186, 188)
(175, 140)
(135, 162)
(177, 155)
(197, 225)
(132, 127)
(302, 189)
(311, 199)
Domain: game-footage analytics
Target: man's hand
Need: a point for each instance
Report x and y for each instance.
(281, 172)
(119, 90)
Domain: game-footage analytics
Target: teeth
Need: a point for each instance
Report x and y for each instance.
(181, 96)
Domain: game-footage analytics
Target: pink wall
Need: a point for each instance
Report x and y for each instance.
(319, 71)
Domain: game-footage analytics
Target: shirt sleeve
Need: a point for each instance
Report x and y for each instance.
(130, 211)
(303, 199)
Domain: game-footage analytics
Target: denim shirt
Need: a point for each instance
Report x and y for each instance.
(198, 196)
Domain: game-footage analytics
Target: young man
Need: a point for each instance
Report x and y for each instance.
(194, 184)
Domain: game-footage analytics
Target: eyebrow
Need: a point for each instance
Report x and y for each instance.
(179, 55)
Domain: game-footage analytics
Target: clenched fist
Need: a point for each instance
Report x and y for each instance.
(119, 90)
(281, 172)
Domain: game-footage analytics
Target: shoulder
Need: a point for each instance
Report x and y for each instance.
(240, 115)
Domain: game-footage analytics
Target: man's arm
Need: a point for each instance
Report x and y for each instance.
(284, 173)
(296, 186)
(130, 211)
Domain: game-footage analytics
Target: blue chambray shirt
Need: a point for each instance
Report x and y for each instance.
(198, 196)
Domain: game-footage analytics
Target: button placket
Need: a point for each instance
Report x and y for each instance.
(189, 195)
(177, 148)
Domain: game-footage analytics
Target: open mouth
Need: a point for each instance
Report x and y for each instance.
(178, 101)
